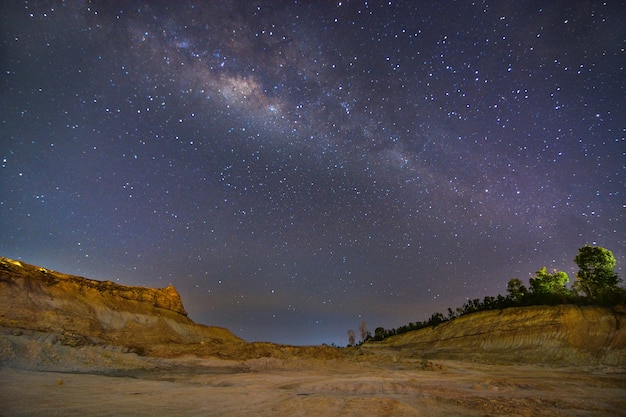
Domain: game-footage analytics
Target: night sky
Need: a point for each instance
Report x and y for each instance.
(296, 167)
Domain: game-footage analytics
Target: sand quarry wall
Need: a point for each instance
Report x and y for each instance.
(563, 334)
(80, 311)
(33, 298)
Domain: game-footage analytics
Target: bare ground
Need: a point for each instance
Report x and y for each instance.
(301, 387)
(71, 346)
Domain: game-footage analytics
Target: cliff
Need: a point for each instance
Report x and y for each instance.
(81, 311)
(555, 335)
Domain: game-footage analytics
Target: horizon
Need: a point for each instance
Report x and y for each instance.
(315, 342)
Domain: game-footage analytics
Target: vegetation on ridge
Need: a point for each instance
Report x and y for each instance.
(596, 283)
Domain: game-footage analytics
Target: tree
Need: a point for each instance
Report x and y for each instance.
(516, 290)
(363, 331)
(489, 303)
(435, 319)
(351, 338)
(379, 333)
(596, 278)
(549, 283)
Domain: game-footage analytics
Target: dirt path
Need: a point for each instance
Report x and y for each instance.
(211, 388)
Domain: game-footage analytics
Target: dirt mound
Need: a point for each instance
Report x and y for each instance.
(60, 310)
(556, 335)
(84, 312)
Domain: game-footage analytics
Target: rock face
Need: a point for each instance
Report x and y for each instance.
(555, 335)
(82, 311)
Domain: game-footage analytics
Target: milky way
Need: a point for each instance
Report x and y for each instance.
(295, 168)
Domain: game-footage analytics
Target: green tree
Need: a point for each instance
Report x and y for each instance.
(596, 278)
(549, 283)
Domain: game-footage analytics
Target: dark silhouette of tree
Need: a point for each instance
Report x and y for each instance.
(516, 290)
(379, 333)
(471, 306)
(435, 319)
(489, 303)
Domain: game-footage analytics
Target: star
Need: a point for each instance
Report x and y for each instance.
(295, 168)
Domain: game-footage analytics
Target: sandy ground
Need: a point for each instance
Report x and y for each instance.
(265, 387)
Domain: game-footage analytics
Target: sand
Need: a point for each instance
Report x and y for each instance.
(71, 346)
(269, 387)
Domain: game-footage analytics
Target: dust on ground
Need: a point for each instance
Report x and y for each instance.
(271, 387)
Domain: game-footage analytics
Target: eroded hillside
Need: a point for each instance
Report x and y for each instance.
(560, 335)
(45, 311)
(82, 312)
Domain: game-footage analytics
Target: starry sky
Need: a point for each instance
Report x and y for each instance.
(296, 167)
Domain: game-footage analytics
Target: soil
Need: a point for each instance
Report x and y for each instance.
(301, 387)
(70, 346)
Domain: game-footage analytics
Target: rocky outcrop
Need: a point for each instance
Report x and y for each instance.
(81, 311)
(42, 280)
(556, 335)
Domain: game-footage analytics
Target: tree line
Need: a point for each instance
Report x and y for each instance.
(596, 283)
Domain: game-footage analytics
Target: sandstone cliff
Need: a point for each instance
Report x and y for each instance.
(82, 311)
(561, 335)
